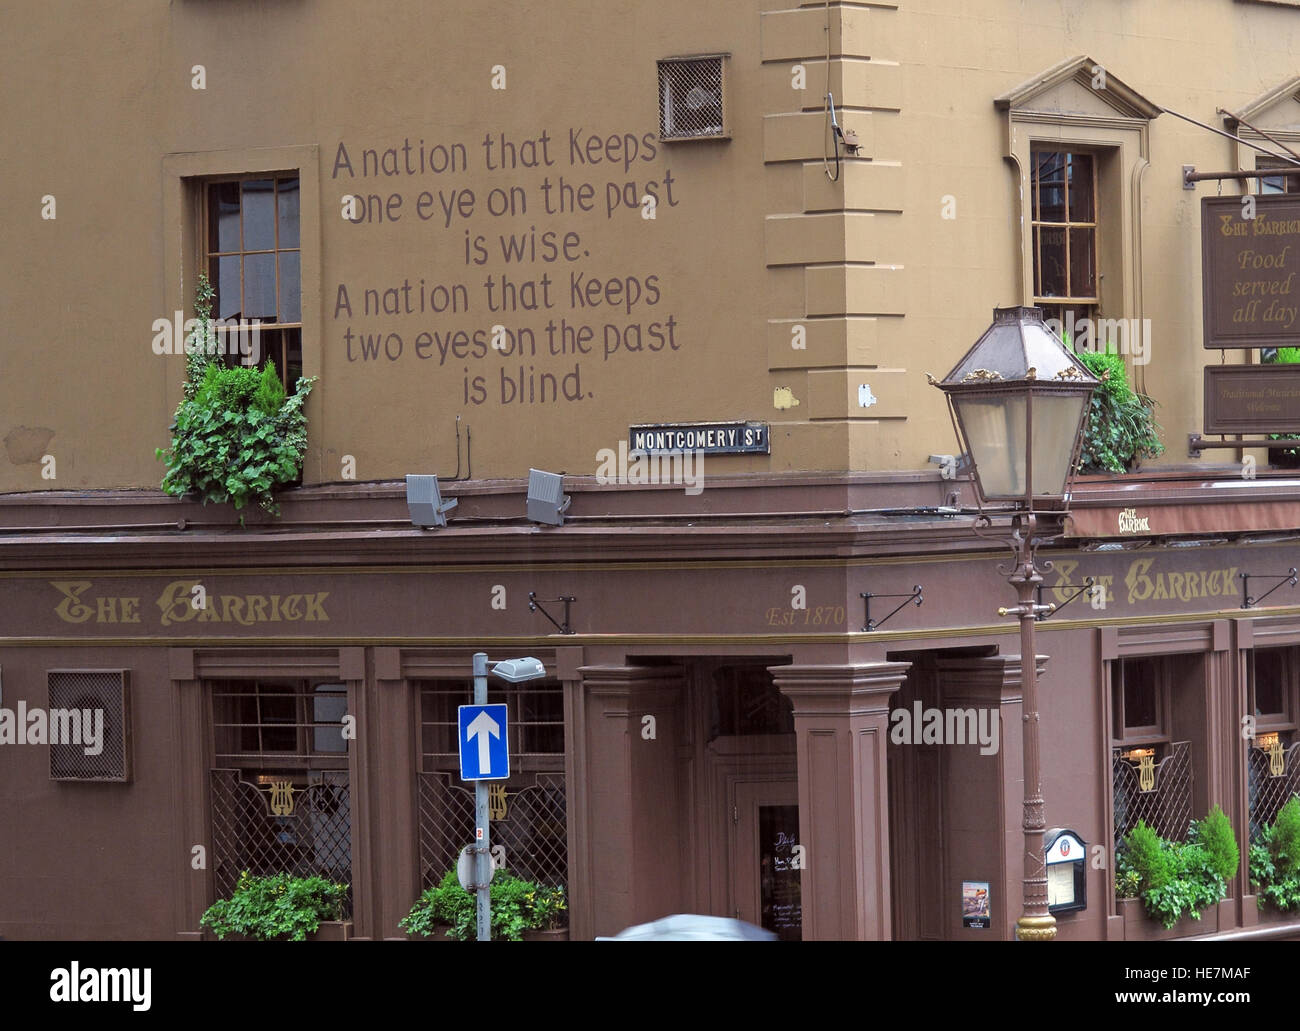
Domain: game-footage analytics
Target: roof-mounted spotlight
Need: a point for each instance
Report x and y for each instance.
(424, 501)
(547, 501)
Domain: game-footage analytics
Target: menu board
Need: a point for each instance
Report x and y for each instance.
(781, 908)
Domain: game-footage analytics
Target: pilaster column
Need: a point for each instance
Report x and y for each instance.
(841, 720)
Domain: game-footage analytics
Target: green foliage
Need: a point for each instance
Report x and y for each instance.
(1275, 860)
(276, 907)
(547, 907)
(1214, 834)
(1173, 878)
(1288, 354)
(517, 906)
(236, 436)
(1145, 852)
(1121, 426)
(1286, 838)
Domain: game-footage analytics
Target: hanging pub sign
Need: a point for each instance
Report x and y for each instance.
(1252, 398)
(1250, 269)
(712, 438)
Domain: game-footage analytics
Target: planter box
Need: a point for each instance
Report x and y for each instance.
(560, 934)
(1140, 927)
(328, 931)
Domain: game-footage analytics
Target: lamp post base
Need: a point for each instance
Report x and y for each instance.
(1036, 928)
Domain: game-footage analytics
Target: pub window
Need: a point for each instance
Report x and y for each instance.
(1277, 183)
(1064, 235)
(528, 810)
(1151, 773)
(279, 723)
(1271, 756)
(279, 784)
(253, 257)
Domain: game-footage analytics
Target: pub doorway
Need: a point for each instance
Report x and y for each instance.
(747, 800)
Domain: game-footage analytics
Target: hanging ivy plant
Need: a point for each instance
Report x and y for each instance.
(1121, 426)
(237, 436)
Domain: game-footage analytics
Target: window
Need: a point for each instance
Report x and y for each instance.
(279, 724)
(1277, 183)
(535, 724)
(1064, 222)
(279, 787)
(691, 98)
(528, 811)
(746, 702)
(253, 251)
(1151, 774)
(1271, 767)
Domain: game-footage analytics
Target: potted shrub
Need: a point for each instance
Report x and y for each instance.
(279, 907)
(1121, 428)
(548, 915)
(1275, 860)
(1176, 879)
(236, 436)
(448, 911)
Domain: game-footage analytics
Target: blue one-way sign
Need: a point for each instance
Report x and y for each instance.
(484, 754)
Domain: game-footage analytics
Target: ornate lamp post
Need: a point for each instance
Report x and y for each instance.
(1018, 400)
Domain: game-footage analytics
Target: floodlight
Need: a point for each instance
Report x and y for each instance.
(516, 671)
(425, 503)
(547, 501)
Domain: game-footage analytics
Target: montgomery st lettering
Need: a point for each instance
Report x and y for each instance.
(179, 602)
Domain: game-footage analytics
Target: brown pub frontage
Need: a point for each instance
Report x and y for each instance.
(718, 733)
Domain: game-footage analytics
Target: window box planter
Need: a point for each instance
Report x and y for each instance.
(1140, 927)
(328, 931)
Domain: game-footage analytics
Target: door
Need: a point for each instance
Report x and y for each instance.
(766, 856)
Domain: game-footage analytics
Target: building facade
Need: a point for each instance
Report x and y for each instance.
(539, 237)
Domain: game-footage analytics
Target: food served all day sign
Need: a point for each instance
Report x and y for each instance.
(1250, 266)
(1250, 257)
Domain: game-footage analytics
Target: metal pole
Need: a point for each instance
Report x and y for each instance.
(482, 839)
(1036, 923)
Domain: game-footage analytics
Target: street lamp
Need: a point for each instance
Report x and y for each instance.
(513, 671)
(1018, 400)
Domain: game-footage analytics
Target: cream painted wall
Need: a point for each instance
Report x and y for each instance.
(98, 96)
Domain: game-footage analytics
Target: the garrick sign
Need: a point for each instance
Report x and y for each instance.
(185, 601)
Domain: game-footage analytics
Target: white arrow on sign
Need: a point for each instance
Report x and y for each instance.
(481, 726)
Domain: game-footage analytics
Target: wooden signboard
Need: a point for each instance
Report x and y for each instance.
(1252, 398)
(1250, 266)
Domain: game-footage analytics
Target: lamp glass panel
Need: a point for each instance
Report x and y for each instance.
(1056, 420)
(995, 432)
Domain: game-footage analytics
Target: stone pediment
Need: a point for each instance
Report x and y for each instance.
(1078, 87)
(1277, 111)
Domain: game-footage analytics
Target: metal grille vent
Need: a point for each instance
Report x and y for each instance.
(89, 725)
(691, 98)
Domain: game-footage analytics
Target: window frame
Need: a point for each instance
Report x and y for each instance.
(1093, 301)
(184, 246)
(305, 693)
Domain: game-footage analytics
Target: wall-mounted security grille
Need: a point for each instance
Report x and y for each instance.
(89, 725)
(692, 93)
